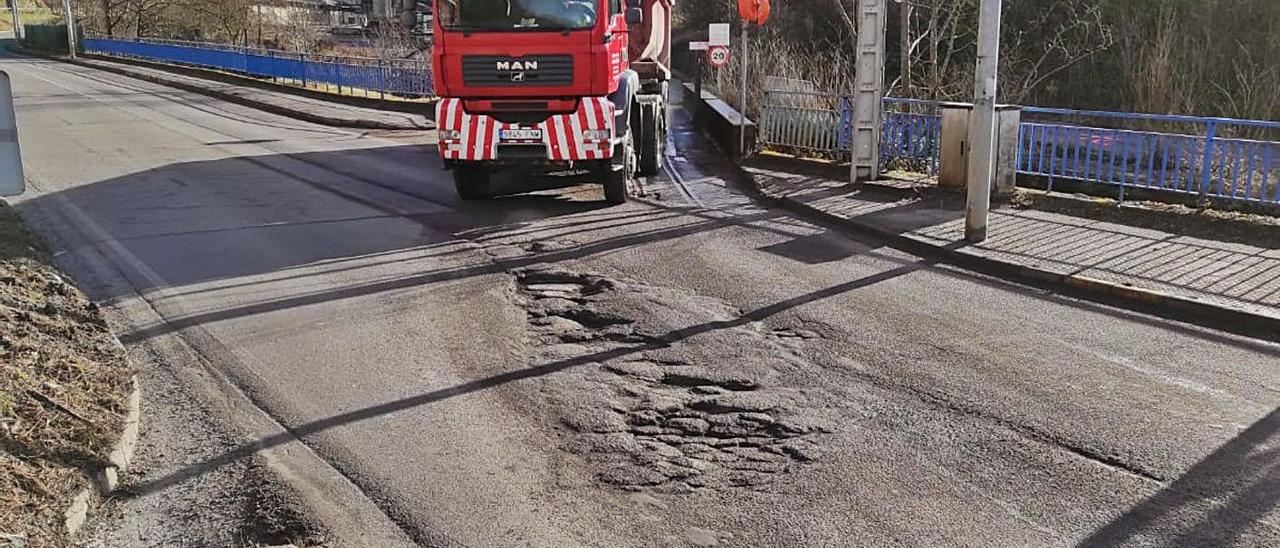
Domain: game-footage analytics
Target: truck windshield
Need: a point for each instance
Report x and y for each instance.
(515, 15)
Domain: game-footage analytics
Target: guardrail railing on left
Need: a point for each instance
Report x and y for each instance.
(346, 75)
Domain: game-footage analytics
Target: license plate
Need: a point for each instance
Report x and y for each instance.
(521, 135)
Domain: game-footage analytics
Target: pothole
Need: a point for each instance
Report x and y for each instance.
(549, 246)
(689, 397)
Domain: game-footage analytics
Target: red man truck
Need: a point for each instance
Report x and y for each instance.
(552, 86)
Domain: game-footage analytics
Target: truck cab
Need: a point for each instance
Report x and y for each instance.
(549, 83)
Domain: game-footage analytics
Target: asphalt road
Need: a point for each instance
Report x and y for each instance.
(689, 369)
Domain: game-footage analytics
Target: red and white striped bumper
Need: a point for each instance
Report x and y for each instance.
(586, 134)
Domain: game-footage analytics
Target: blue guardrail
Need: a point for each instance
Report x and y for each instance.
(1215, 158)
(1219, 158)
(408, 78)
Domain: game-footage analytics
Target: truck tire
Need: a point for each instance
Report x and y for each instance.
(653, 138)
(622, 171)
(471, 182)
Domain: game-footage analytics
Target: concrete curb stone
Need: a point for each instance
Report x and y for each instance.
(107, 479)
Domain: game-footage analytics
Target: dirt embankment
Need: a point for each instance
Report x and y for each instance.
(64, 382)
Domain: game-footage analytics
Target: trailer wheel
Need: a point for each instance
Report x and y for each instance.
(652, 140)
(622, 171)
(471, 182)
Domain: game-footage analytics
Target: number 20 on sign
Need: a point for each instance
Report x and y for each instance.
(718, 56)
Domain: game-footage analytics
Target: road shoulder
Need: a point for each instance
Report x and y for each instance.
(68, 404)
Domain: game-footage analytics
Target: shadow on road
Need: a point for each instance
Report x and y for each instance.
(652, 343)
(226, 220)
(1239, 483)
(205, 221)
(199, 222)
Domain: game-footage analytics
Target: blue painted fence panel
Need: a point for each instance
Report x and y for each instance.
(910, 135)
(1204, 157)
(407, 78)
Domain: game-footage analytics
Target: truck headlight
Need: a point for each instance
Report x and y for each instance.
(450, 135)
(596, 135)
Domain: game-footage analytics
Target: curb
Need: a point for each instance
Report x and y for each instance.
(107, 479)
(233, 98)
(1226, 318)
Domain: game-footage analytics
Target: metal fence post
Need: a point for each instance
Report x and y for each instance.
(382, 79)
(1206, 173)
(302, 59)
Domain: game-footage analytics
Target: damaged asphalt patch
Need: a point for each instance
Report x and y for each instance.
(688, 395)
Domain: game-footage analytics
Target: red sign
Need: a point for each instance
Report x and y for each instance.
(718, 56)
(754, 11)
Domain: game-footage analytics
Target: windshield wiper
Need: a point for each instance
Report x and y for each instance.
(467, 29)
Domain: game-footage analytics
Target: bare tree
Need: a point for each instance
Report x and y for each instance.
(842, 9)
(1057, 35)
(905, 46)
(947, 42)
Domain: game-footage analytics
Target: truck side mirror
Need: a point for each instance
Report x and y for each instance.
(635, 16)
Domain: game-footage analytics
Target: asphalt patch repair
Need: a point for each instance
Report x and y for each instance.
(679, 393)
(64, 382)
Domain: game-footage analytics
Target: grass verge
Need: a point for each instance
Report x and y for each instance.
(63, 387)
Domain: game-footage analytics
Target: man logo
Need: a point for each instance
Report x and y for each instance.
(517, 77)
(517, 65)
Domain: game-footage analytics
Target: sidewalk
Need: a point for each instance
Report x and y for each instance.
(262, 97)
(1226, 278)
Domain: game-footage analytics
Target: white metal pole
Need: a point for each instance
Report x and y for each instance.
(982, 126)
(742, 113)
(17, 21)
(69, 16)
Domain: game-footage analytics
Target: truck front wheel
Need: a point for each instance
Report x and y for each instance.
(622, 171)
(472, 182)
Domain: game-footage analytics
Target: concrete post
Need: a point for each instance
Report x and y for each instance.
(982, 126)
(869, 91)
(17, 21)
(68, 15)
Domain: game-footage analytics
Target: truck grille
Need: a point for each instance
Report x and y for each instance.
(528, 71)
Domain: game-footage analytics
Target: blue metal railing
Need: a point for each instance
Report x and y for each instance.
(911, 135)
(407, 78)
(814, 123)
(1221, 158)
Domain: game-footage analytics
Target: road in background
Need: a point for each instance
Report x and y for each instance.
(540, 369)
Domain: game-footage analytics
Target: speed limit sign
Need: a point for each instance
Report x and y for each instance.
(719, 56)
